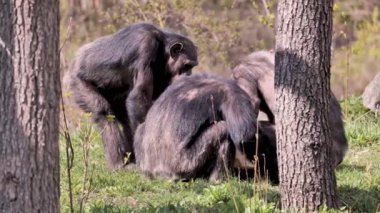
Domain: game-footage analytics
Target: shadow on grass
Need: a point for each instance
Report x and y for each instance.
(360, 200)
(349, 167)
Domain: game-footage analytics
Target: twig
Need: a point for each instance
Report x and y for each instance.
(69, 147)
(86, 181)
(145, 18)
(267, 12)
(67, 34)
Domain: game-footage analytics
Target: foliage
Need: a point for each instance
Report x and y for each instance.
(355, 65)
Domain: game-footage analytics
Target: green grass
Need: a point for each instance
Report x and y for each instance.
(128, 191)
(359, 175)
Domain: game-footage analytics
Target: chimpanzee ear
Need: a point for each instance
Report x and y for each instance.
(175, 50)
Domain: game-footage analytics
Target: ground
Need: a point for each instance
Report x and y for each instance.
(358, 178)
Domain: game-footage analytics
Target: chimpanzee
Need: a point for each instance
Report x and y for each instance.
(258, 68)
(116, 78)
(195, 128)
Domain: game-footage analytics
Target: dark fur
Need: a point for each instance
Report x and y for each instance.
(258, 68)
(116, 78)
(192, 129)
(264, 151)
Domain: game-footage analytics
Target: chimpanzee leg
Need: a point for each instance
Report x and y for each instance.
(113, 143)
(120, 111)
(89, 99)
(224, 161)
(129, 145)
(206, 155)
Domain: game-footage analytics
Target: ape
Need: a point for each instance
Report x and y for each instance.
(258, 68)
(194, 129)
(116, 78)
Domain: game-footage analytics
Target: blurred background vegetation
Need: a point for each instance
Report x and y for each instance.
(226, 30)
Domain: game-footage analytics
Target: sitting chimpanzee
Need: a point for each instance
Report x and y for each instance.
(256, 74)
(195, 130)
(116, 78)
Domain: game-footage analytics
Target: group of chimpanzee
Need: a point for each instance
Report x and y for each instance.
(137, 84)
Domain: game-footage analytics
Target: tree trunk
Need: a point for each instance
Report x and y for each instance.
(29, 106)
(302, 82)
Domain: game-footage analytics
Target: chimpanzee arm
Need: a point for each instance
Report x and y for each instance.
(140, 98)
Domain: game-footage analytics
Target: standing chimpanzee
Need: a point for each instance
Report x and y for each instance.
(258, 68)
(195, 129)
(116, 78)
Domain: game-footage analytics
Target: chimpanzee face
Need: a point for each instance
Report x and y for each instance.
(182, 59)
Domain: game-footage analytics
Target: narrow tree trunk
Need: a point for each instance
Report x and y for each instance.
(302, 82)
(29, 106)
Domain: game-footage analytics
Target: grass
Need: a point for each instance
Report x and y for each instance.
(128, 191)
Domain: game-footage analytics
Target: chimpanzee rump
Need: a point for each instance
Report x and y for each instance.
(258, 68)
(116, 78)
(194, 128)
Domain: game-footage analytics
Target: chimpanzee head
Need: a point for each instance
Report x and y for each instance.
(182, 54)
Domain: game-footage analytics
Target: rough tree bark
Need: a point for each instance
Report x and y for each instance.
(29, 106)
(302, 82)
